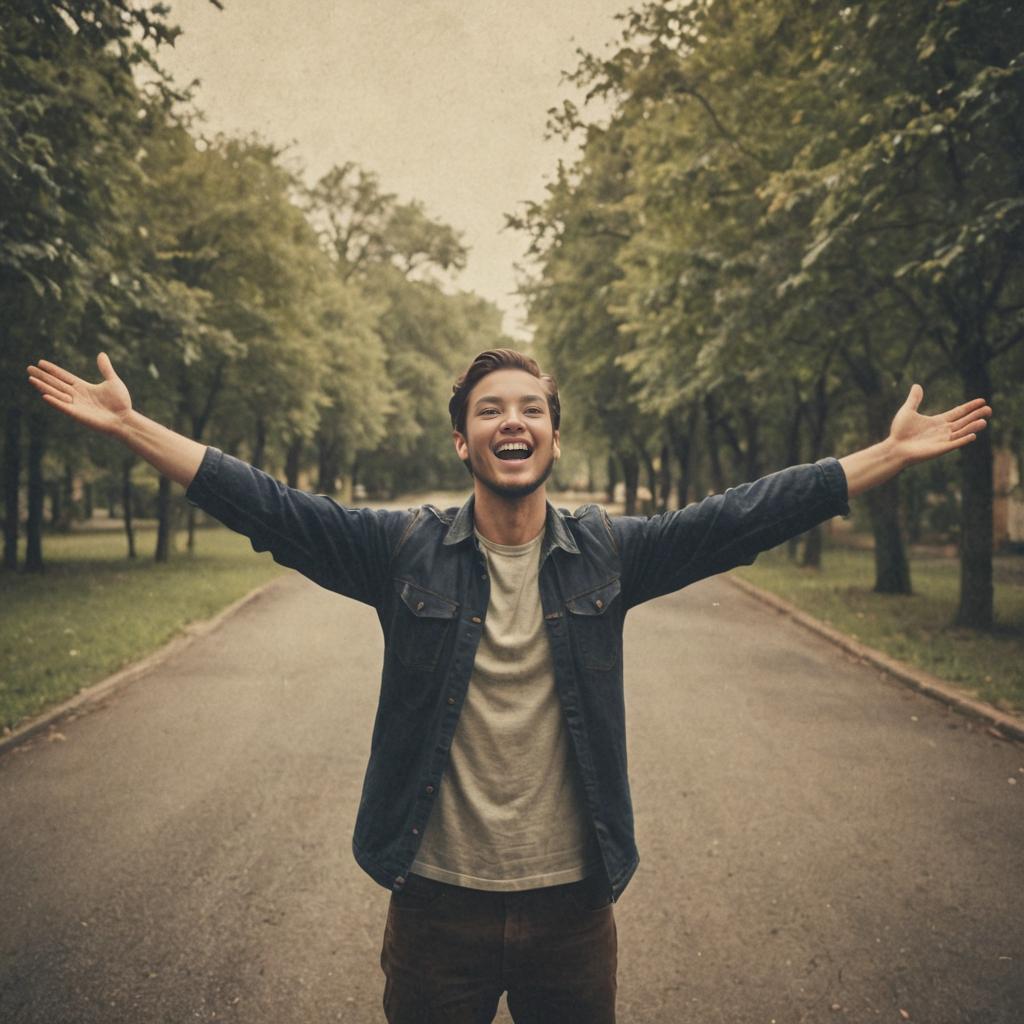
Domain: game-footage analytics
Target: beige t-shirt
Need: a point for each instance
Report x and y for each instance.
(510, 812)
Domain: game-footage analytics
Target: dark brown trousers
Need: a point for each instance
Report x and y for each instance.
(449, 953)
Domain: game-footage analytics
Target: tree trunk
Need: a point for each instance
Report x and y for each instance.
(813, 541)
(354, 478)
(752, 429)
(714, 455)
(327, 466)
(613, 477)
(163, 523)
(652, 481)
(892, 570)
(36, 491)
(293, 463)
(631, 477)
(127, 504)
(12, 483)
(683, 440)
(259, 449)
(976, 531)
(88, 500)
(191, 543)
(665, 482)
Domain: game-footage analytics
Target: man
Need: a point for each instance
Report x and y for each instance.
(496, 802)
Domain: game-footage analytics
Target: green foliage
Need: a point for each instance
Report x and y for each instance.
(784, 214)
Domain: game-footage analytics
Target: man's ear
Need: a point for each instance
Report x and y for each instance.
(555, 444)
(461, 448)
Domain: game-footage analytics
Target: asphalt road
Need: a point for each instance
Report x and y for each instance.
(817, 843)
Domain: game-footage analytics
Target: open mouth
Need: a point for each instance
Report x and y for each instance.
(512, 450)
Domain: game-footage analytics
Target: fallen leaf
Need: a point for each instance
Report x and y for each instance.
(993, 731)
(54, 735)
(904, 1015)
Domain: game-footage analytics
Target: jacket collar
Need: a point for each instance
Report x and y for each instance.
(557, 533)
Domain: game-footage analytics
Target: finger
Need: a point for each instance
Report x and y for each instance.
(47, 389)
(62, 404)
(964, 410)
(48, 378)
(971, 428)
(984, 413)
(58, 371)
(915, 396)
(106, 368)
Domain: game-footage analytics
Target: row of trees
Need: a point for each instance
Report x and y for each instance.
(785, 213)
(305, 326)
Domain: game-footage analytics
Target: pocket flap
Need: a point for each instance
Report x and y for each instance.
(426, 603)
(595, 602)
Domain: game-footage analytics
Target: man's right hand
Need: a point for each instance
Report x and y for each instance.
(107, 408)
(103, 407)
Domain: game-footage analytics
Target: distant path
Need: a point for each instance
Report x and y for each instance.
(810, 835)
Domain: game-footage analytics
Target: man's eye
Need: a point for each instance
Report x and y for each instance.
(535, 409)
(487, 412)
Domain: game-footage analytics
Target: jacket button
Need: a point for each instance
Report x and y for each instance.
(415, 831)
(430, 789)
(476, 619)
(451, 700)
(599, 603)
(400, 881)
(419, 606)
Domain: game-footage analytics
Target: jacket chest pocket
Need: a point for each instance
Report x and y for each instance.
(422, 622)
(594, 627)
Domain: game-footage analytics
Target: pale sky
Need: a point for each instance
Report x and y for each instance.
(446, 100)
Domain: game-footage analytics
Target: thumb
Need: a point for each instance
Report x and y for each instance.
(915, 396)
(106, 368)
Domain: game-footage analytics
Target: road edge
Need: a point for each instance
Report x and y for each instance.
(1006, 724)
(131, 673)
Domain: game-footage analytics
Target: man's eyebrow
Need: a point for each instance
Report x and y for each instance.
(495, 400)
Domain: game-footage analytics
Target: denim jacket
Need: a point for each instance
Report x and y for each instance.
(423, 572)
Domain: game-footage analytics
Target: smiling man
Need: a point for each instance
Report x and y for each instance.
(496, 805)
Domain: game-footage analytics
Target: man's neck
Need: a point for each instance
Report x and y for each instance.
(509, 521)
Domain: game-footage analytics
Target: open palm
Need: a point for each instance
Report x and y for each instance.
(100, 406)
(921, 437)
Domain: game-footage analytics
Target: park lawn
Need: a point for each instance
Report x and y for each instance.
(916, 629)
(93, 611)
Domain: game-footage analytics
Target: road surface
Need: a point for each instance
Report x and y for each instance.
(817, 843)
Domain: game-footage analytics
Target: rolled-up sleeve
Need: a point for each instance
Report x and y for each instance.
(663, 553)
(343, 549)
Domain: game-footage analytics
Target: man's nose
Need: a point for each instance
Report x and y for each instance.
(513, 420)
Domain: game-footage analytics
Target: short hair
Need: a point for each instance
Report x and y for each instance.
(499, 359)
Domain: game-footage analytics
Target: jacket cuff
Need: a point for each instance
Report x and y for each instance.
(835, 481)
(205, 478)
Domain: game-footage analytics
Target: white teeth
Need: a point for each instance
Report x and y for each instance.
(513, 446)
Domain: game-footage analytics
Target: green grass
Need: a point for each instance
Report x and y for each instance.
(93, 611)
(916, 629)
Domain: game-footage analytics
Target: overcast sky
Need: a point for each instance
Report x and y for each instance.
(445, 99)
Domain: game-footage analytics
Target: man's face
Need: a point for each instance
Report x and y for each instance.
(509, 443)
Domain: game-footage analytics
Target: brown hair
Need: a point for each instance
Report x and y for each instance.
(499, 359)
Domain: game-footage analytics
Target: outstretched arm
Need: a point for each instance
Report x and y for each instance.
(107, 408)
(914, 438)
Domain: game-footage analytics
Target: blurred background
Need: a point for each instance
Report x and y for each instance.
(736, 233)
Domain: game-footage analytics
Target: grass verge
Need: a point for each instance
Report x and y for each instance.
(916, 629)
(93, 611)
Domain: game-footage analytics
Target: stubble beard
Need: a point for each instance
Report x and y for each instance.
(513, 491)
